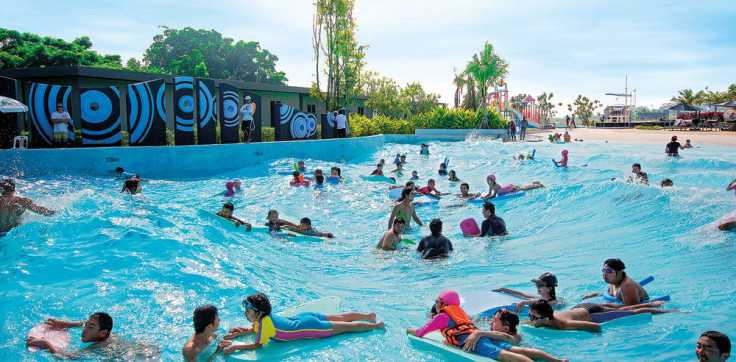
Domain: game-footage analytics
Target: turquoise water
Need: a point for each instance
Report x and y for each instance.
(149, 261)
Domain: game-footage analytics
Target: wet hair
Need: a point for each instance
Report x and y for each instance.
(339, 171)
(119, 169)
(435, 226)
(203, 316)
(433, 310)
(636, 165)
(320, 179)
(295, 174)
(722, 342)
(666, 182)
(229, 206)
(104, 320)
(378, 165)
(465, 184)
(442, 165)
(305, 220)
(616, 264)
(318, 171)
(405, 193)
(409, 183)
(130, 185)
(543, 308)
(452, 172)
(490, 207)
(431, 180)
(8, 186)
(260, 303)
(272, 211)
(509, 319)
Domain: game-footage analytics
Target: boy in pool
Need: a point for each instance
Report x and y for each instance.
(637, 175)
(430, 189)
(319, 180)
(275, 224)
(267, 326)
(403, 159)
(13, 207)
(563, 161)
(298, 180)
(666, 183)
(492, 225)
(305, 228)
(392, 237)
(586, 316)
(227, 213)
(713, 346)
(202, 345)
(687, 144)
(465, 192)
(414, 175)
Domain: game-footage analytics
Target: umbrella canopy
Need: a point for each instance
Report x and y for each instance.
(10, 105)
(683, 107)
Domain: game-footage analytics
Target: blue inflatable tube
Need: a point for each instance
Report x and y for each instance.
(376, 178)
(609, 298)
(510, 195)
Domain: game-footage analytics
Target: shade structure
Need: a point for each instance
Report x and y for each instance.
(10, 105)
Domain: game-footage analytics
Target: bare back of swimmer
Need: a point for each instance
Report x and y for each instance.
(12, 207)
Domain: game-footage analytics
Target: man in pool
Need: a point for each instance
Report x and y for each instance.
(305, 228)
(202, 345)
(621, 286)
(97, 331)
(492, 225)
(392, 237)
(637, 175)
(227, 213)
(12, 207)
(585, 316)
(713, 346)
(435, 245)
(672, 148)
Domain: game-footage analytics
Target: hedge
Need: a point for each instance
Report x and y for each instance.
(441, 118)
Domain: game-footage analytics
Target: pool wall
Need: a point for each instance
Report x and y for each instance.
(195, 161)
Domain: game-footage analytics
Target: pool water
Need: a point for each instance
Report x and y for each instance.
(149, 261)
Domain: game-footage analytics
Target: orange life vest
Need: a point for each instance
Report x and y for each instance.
(463, 324)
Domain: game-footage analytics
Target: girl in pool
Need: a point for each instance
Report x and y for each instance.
(457, 328)
(298, 180)
(334, 175)
(267, 326)
(275, 224)
(452, 176)
(404, 209)
(563, 161)
(378, 171)
(494, 189)
(546, 284)
(586, 316)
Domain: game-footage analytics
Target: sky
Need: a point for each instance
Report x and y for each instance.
(564, 47)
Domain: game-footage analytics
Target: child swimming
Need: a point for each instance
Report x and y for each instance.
(563, 161)
(305, 228)
(227, 213)
(494, 189)
(275, 224)
(452, 176)
(298, 180)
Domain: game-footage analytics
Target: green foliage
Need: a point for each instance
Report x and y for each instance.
(268, 134)
(650, 128)
(688, 96)
(584, 107)
(438, 117)
(24, 50)
(388, 98)
(486, 69)
(205, 53)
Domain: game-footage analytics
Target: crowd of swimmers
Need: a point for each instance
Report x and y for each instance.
(447, 316)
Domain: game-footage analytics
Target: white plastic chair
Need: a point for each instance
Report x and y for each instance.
(20, 142)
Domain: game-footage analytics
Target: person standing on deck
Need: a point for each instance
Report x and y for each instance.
(246, 115)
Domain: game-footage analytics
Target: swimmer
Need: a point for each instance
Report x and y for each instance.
(267, 326)
(465, 192)
(546, 284)
(638, 175)
(305, 228)
(455, 325)
(687, 144)
(452, 176)
(12, 207)
(202, 346)
(399, 168)
(414, 175)
(529, 156)
(298, 180)
(666, 183)
(566, 137)
(424, 149)
(435, 245)
(397, 159)
(504, 328)
(392, 237)
(492, 225)
(403, 159)
(274, 223)
(404, 209)
(583, 316)
(300, 167)
(132, 185)
(563, 161)
(430, 189)
(227, 213)
(319, 180)
(122, 174)
(335, 173)
(620, 285)
(494, 189)
(671, 149)
(443, 169)
(382, 162)
(713, 346)
(408, 184)
(97, 331)
(231, 189)
(378, 171)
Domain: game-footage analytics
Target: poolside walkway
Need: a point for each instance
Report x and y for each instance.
(630, 135)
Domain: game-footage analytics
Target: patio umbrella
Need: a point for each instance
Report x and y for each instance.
(10, 105)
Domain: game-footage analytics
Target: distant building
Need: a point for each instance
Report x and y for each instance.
(617, 114)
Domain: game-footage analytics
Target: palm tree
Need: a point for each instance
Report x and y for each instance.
(460, 83)
(486, 68)
(687, 96)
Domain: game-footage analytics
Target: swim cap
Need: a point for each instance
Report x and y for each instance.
(564, 152)
(449, 297)
(229, 185)
(491, 178)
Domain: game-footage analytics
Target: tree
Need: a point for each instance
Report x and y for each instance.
(486, 68)
(546, 107)
(337, 54)
(460, 83)
(687, 96)
(417, 100)
(25, 50)
(205, 53)
(517, 101)
(386, 97)
(583, 107)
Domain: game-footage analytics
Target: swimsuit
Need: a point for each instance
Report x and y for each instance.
(300, 326)
(505, 189)
(590, 307)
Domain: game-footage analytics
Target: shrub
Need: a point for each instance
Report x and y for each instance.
(439, 118)
(268, 134)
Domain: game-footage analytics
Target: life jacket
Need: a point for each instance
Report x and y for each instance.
(463, 324)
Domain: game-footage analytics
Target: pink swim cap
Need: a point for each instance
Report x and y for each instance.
(564, 152)
(449, 297)
(229, 185)
(491, 178)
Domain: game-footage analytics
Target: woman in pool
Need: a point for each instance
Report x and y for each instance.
(465, 192)
(494, 189)
(334, 175)
(378, 171)
(452, 176)
(455, 325)
(404, 209)
(298, 180)
(546, 284)
(267, 326)
(275, 224)
(586, 316)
